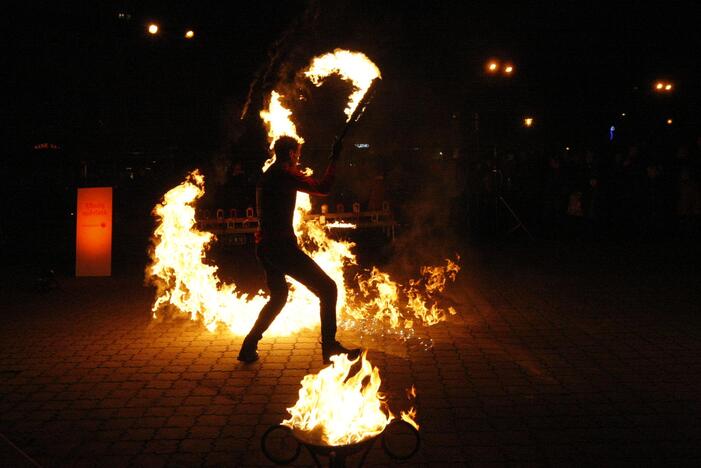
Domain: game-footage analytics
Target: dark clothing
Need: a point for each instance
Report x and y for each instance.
(285, 258)
(276, 194)
(278, 252)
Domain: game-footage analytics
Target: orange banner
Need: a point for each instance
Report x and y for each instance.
(93, 240)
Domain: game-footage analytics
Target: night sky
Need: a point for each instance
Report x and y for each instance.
(84, 77)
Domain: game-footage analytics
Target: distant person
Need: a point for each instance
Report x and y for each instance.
(279, 254)
(688, 192)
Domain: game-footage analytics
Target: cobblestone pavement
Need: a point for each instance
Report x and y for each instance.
(574, 360)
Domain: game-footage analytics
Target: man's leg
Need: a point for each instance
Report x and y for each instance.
(305, 270)
(277, 286)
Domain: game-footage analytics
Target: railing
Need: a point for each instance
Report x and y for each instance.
(239, 230)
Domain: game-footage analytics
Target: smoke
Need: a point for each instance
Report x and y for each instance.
(271, 73)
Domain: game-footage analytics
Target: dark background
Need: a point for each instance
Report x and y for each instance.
(120, 107)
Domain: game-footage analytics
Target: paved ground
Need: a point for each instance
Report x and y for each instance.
(559, 356)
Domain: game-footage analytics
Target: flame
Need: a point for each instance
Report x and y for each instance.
(383, 299)
(277, 119)
(355, 67)
(410, 417)
(341, 409)
(411, 393)
(378, 298)
(185, 281)
(372, 301)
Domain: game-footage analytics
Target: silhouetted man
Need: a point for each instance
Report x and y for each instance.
(279, 254)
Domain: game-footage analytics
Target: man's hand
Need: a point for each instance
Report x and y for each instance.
(336, 149)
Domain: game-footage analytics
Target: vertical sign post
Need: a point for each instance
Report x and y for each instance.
(93, 240)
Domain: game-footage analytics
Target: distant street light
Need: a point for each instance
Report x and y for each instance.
(670, 121)
(528, 122)
(189, 34)
(662, 86)
(494, 66)
(153, 29)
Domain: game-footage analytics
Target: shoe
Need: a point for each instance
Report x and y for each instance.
(248, 352)
(248, 357)
(334, 348)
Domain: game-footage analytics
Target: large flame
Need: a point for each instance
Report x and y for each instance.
(189, 284)
(372, 300)
(351, 66)
(340, 409)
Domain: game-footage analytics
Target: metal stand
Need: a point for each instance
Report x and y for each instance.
(336, 455)
(518, 223)
(500, 201)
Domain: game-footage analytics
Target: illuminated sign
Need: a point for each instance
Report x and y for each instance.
(93, 240)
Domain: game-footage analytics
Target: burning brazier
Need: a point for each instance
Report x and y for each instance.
(339, 415)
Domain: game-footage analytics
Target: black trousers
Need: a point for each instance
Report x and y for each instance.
(285, 258)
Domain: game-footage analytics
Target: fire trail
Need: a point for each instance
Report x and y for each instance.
(371, 301)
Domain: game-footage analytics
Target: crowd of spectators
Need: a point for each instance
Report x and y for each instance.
(635, 191)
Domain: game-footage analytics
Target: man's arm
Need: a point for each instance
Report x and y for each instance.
(322, 186)
(312, 186)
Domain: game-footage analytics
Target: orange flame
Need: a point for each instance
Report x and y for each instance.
(352, 66)
(339, 408)
(185, 281)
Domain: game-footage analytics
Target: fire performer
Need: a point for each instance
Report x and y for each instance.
(278, 252)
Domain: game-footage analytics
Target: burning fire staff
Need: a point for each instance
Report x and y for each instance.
(279, 254)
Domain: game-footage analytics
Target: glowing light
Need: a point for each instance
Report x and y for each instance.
(509, 69)
(340, 225)
(670, 121)
(663, 86)
(189, 34)
(492, 66)
(528, 121)
(153, 29)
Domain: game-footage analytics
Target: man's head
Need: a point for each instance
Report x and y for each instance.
(287, 150)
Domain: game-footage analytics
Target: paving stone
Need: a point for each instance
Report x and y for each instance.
(540, 367)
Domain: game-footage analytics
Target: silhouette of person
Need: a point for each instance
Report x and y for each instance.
(279, 254)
